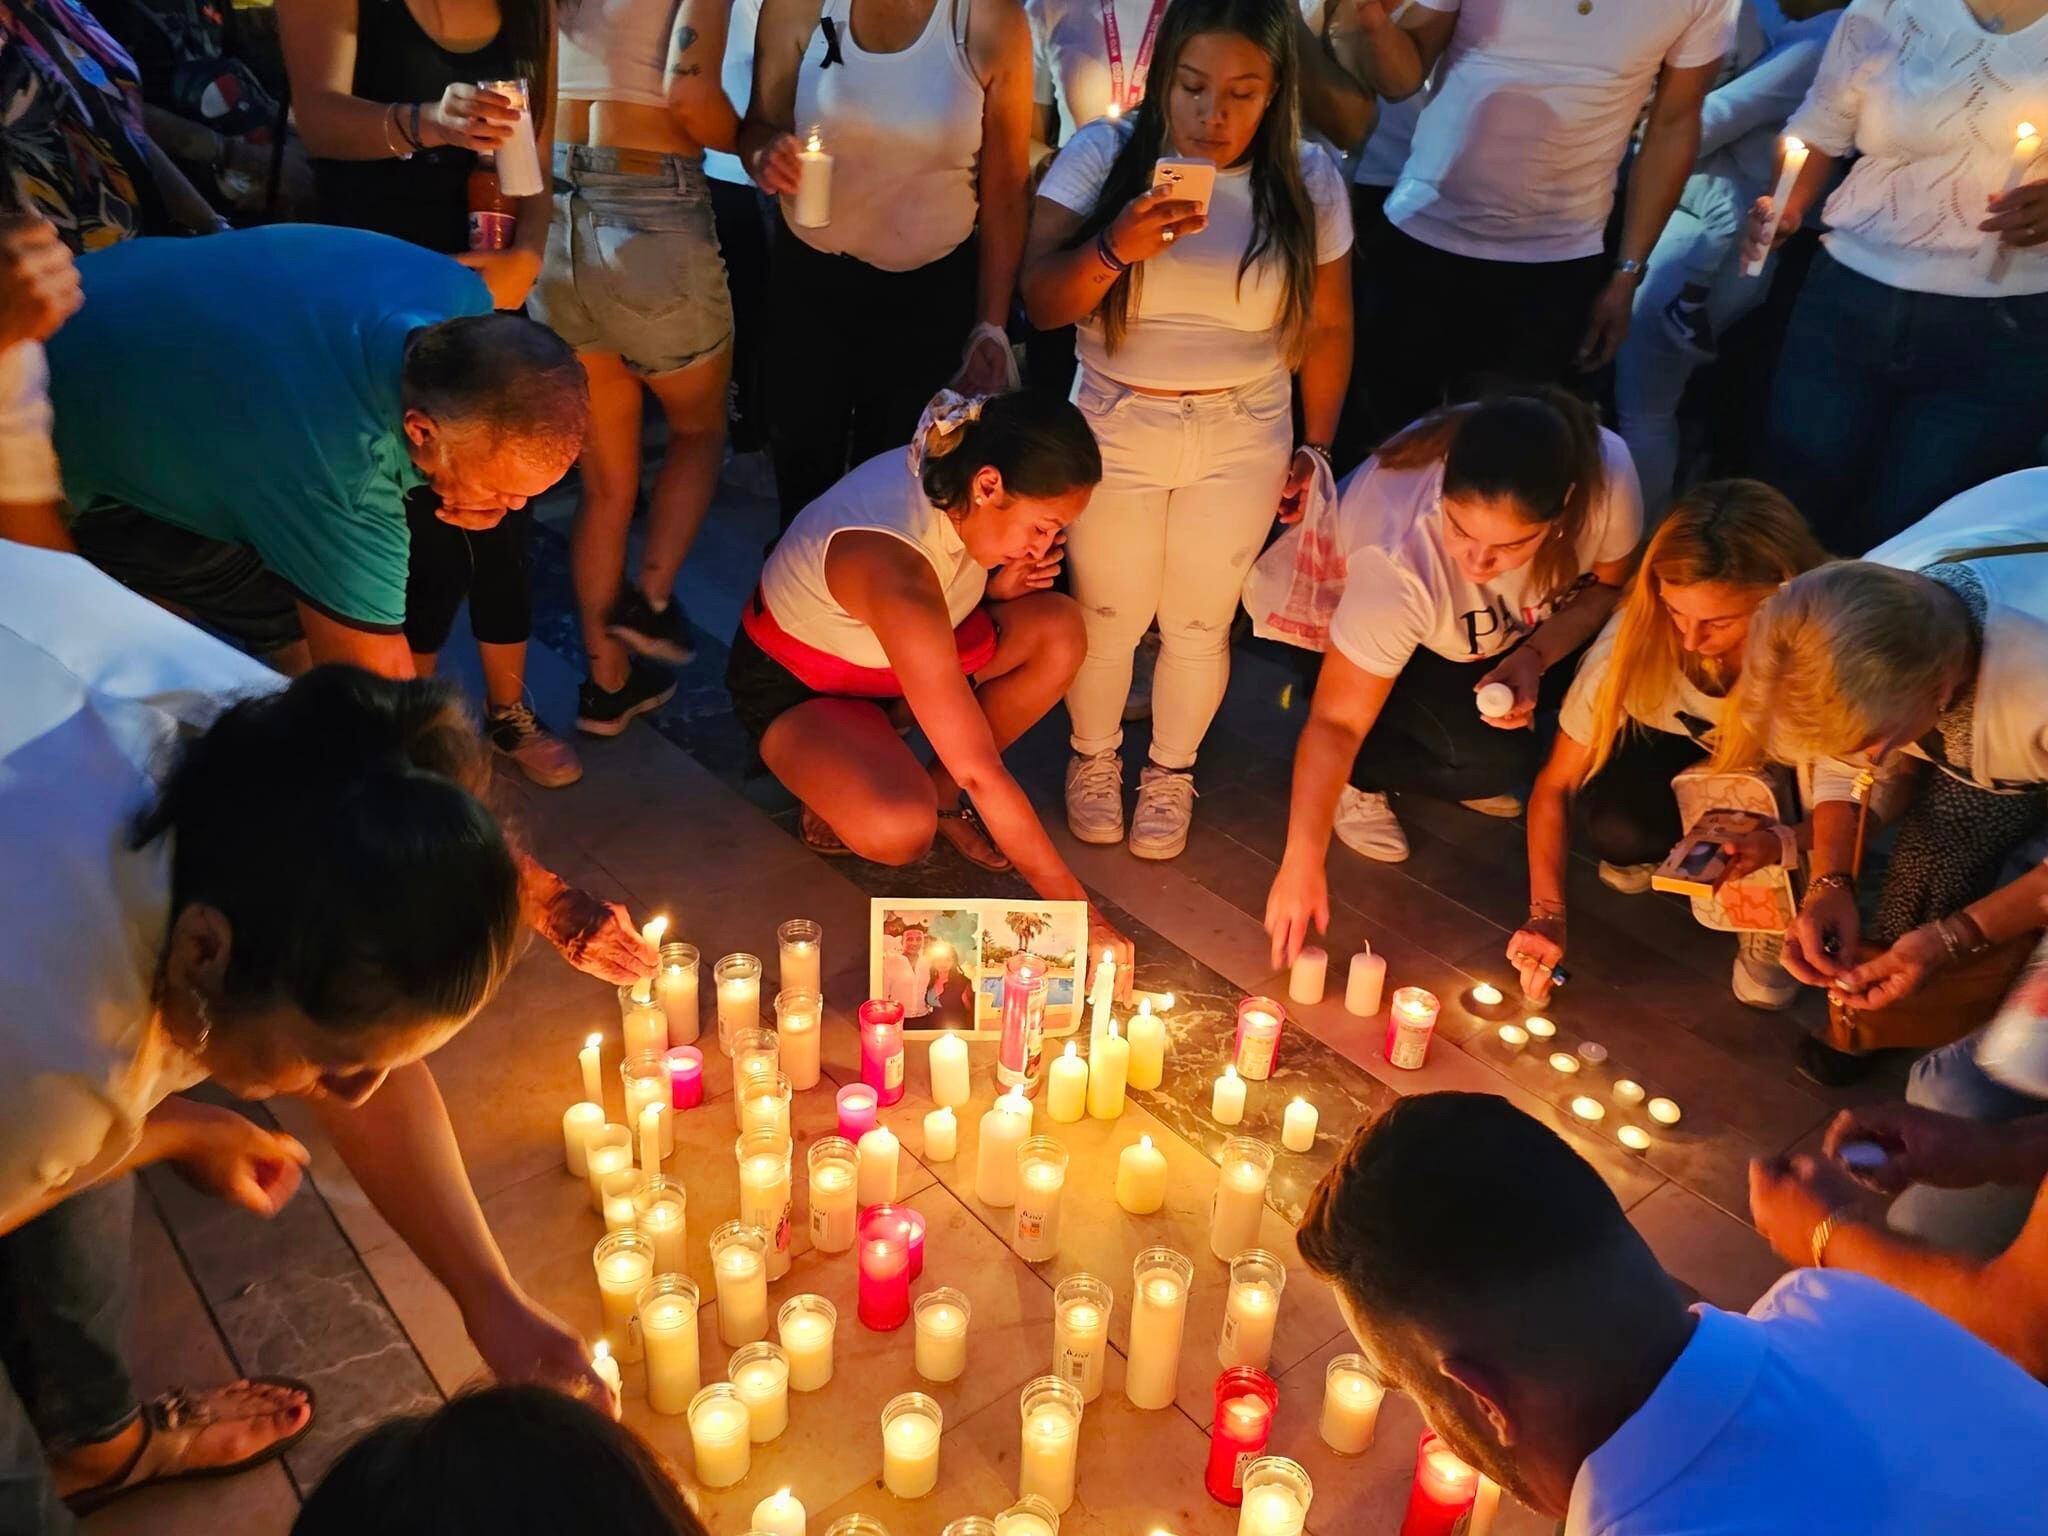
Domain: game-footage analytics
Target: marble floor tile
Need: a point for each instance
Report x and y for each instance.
(1719, 1256)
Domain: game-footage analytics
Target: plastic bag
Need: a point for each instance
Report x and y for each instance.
(1292, 590)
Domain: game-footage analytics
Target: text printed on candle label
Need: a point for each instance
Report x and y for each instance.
(892, 1072)
(1073, 1367)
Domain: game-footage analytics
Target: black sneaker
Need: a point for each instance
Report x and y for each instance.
(662, 636)
(602, 713)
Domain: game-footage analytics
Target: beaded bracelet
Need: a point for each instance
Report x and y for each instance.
(1110, 259)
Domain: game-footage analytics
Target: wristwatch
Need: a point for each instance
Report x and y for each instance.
(1628, 266)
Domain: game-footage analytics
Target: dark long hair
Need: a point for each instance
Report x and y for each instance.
(1039, 443)
(1283, 215)
(527, 28)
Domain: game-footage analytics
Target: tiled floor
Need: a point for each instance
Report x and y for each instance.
(674, 818)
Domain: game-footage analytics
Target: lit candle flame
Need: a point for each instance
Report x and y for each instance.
(814, 144)
(1145, 1142)
(1070, 1050)
(656, 927)
(1166, 1003)
(1486, 994)
(1794, 145)
(1115, 111)
(600, 1350)
(2024, 131)
(592, 1042)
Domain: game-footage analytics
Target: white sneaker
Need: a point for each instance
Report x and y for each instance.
(1758, 979)
(1165, 810)
(1629, 879)
(1366, 825)
(1506, 806)
(1095, 798)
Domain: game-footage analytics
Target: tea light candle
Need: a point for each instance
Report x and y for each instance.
(884, 1277)
(1226, 1099)
(1257, 1278)
(625, 1263)
(878, 1155)
(911, 1425)
(780, 1514)
(1259, 1021)
(1351, 1405)
(1309, 975)
(1277, 1493)
(739, 996)
(1589, 1109)
(834, 1164)
(1109, 1066)
(1564, 1061)
(1041, 1182)
(1513, 1036)
(1663, 1111)
(675, 989)
(807, 1326)
(1051, 1412)
(798, 1026)
(1411, 1022)
(607, 1371)
(857, 1110)
(947, 1059)
(668, 1333)
(739, 1261)
(1592, 1053)
(1159, 1306)
(813, 204)
(609, 1149)
(587, 1061)
(1495, 700)
(1363, 985)
(1628, 1092)
(1240, 1197)
(1081, 1305)
(1147, 1034)
(643, 1026)
(1634, 1137)
(643, 989)
(1443, 1489)
(1486, 1000)
(685, 1077)
(799, 947)
(763, 1157)
(941, 1136)
(995, 1166)
(1298, 1129)
(1066, 1086)
(579, 1122)
(1141, 1178)
(761, 1374)
(618, 1191)
(1539, 1028)
(718, 1435)
(941, 1318)
(881, 1048)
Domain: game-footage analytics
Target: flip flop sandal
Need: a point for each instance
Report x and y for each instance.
(170, 1425)
(820, 838)
(964, 821)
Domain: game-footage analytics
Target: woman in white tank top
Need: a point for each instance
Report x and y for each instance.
(881, 590)
(924, 107)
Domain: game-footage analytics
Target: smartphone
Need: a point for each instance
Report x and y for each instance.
(1192, 180)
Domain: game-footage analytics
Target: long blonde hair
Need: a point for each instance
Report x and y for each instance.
(1737, 533)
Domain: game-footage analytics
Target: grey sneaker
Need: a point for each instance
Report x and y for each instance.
(1366, 825)
(539, 753)
(1629, 879)
(1759, 980)
(1166, 809)
(1095, 798)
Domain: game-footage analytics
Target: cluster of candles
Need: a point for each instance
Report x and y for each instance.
(1588, 1057)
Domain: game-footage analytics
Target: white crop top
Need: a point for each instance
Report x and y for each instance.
(904, 133)
(615, 50)
(880, 496)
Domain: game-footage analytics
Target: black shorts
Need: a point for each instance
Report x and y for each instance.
(223, 587)
(762, 688)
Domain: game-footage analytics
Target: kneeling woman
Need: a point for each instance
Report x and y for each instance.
(880, 591)
(1644, 707)
(1484, 544)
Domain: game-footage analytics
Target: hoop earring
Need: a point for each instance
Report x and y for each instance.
(205, 1016)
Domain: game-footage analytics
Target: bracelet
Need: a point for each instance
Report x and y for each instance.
(391, 122)
(1956, 934)
(418, 139)
(1833, 880)
(1110, 259)
(1541, 910)
(1823, 1234)
(1320, 450)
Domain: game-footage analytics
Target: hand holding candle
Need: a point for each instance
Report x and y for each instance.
(1791, 161)
(813, 207)
(643, 989)
(2014, 226)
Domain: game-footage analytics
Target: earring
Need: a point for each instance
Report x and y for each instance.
(205, 1016)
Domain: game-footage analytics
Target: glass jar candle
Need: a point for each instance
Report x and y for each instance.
(1081, 1305)
(763, 1156)
(1022, 1045)
(1259, 1021)
(756, 1053)
(1444, 1489)
(1351, 1405)
(807, 1326)
(718, 1435)
(1159, 1308)
(884, 1270)
(625, 1263)
(911, 1426)
(834, 1167)
(1239, 1428)
(907, 1222)
(1041, 1182)
(1240, 1205)
(675, 989)
(1257, 1278)
(1050, 1443)
(645, 1078)
(643, 1025)
(1277, 1493)
(764, 1099)
(618, 1191)
(739, 1263)
(607, 1150)
(941, 1318)
(1029, 1516)
(1411, 1021)
(761, 1373)
(685, 1076)
(667, 1307)
(856, 1525)
(738, 979)
(800, 956)
(969, 1525)
(881, 1048)
(857, 1111)
(799, 1027)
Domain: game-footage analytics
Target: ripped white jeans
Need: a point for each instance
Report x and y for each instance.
(1190, 484)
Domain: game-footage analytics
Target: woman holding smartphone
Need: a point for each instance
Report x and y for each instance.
(1195, 314)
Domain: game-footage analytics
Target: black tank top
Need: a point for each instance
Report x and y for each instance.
(424, 199)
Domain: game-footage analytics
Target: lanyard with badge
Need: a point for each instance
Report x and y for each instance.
(1112, 38)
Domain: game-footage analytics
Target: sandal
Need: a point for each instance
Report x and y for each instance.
(171, 1425)
(820, 838)
(962, 827)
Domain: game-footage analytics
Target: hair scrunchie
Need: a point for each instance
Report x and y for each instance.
(941, 427)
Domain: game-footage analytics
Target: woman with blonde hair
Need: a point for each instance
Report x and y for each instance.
(1644, 707)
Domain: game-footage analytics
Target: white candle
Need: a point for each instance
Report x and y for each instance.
(1147, 1034)
(1539, 1027)
(657, 1136)
(800, 947)
(1362, 986)
(761, 1376)
(675, 988)
(1271, 1512)
(941, 1136)
(1564, 1061)
(1351, 1405)
(1041, 1183)
(618, 1190)
(780, 1514)
(579, 1122)
(1495, 700)
(1305, 982)
(1029, 1516)
(668, 1332)
(1628, 1092)
(662, 1216)
(948, 1061)
(941, 1318)
(1513, 1036)
(609, 1149)
(625, 1263)
(1589, 1109)
(814, 185)
(1141, 1178)
(1791, 161)
(995, 1163)
(718, 1435)
(1240, 1197)
(1226, 1100)
(1487, 995)
(879, 1150)
(1634, 1137)
(643, 989)
(834, 1195)
(1050, 1442)
(646, 1082)
(1663, 1111)
(1485, 1508)
(607, 1370)
(739, 997)
(764, 1193)
(1298, 1130)
(1066, 1086)
(798, 1028)
(1101, 992)
(1159, 1305)
(1108, 1069)
(764, 1104)
(739, 1261)
(643, 1027)
(587, 1059)
(911, 1425)
(1080, 1333)
(807, 1325)
(1252, 1310)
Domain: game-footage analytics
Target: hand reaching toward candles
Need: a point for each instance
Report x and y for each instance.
(1927, 1147)
(1536, 950)
(1824, 935)
(522, 1341)
(1300, 896)
(231, 1156)
(1789, 1198)
(2019, 217)
(595, 936)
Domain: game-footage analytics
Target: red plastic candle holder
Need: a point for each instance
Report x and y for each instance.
(686, 1077)
(1444, 1488)
(884, 1245)
(857, 1110)
(881, 1048)
(1246, 1401)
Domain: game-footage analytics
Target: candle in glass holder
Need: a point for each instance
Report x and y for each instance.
(812, 206)
(947, 1059)
(738, 978)
(763, 1156)
(807, 1326)
(1226, 1099)
(1362, 986)
(879, 1155)
(1022, 1045)
(1411, 1020)
(1445, 1486)
(1277, 1493)
(667, 1305)
(911, 1425)
(606, 1370)
(1051, 1439)
(719, 1441)
(761, 1373)
(884, 1273)
(780, 1514)
(1041, 1183)
(756, 1053)
(834, 1164)
(1351, 1405)
(800, 956)
(1081, 1305)
(643, 1026)
(1259, 1021)
(1240, 1197)
(995, 1163)
(1239, 1427)
(739, 1262)
(685, 1077)
(881, 1048)
(1159, 1309)
(625, 1263)
(643, 989)
(912, 1222)
(1141, 1177)
(645, 1077)
(1308, 975)
(856, 1525)
(617, 1191)
(1066, 1086)
(1298, 1130)
(799, 1028)
(941, 1319)
(1109, 1068)
(857, 1110)
(941, 1136)
(675, 989)
(609, 1148)
(587, 1062)
(1147, 1034)
(1257, 1278)
(579, 1122)
(764, 1103)
(1029, 1516)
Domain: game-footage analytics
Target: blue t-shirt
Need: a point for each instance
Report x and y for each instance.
(246, 387)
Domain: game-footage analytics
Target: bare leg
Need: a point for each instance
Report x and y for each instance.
(844, 760)
(693, 400)
(611, 482)
(504, 673)
(1039, 646)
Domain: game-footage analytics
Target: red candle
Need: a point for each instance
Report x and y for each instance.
(856, 1111)
(1445, 1486)
(901, 1223)
(1245, 1403)
(686, 1077)
(884, 1270)
(881, 1048)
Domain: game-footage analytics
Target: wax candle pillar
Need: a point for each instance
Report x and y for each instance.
(1141, 1178)
(800, 1027)
(656, 1121)
(624, 1263)
(1485, 1508)
(857, 1110)
(2026, 149)
(834, 1164)
(685, 1077)
(1226, 1099)
(813, 202)
(1277, 1494)
(780, 1514)
(995, 1164)
(881, 1048)
(579, 1123)
(1066, 1086)
(1309, 975)
(764, 1103)
(607, 1371)
(1791, 161)
(1159, 1307)
(1257, 1278)
(643, 1025)
(1109, 1067)
(1239, 1427)
(643, 989)
(800, 956)
(1240, 1197)
(1029, 1516)
(1041, 1186)
(1443, 1490)
(719, 1441)
(884, 1273)
(941, 1318)
(761, 1373)
(1081, 1306)
(739, 1262)
(1259, 1021)
(588, 1061)
(911, 1427)
(941, 1136)
(1351, 1405)
(1101, 994)
(1050, 1443)
(763, 1156)
(1147, 1034)
(667, 1305)
(1298, 1129)
(1362, 986)
(738, 978)
(807, 1326)
(675, 989)
(1022, 1045)
(947, 1059)
(609, 1149)
(1411, 1019)
(645, 1080)
(879, 1155)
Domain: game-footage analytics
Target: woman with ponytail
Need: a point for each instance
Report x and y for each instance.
(213, 876)
(879, 596)
(1482, 546)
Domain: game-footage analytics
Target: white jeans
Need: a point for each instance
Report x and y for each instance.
(1190, 484)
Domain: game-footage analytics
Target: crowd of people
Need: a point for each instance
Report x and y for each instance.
(1074, 333)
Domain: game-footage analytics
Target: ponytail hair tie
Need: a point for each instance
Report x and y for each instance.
(941, 427)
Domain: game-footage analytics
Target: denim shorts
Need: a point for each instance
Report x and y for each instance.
(632, 263)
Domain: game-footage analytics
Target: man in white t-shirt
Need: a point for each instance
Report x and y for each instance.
(1503, 203)
(1488, 1271)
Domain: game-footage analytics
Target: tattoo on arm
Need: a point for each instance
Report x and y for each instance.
(685, 38)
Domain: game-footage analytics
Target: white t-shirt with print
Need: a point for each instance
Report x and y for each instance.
(1402, 590)
(1196, 325)
(1514, 158)
(1684, 709)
